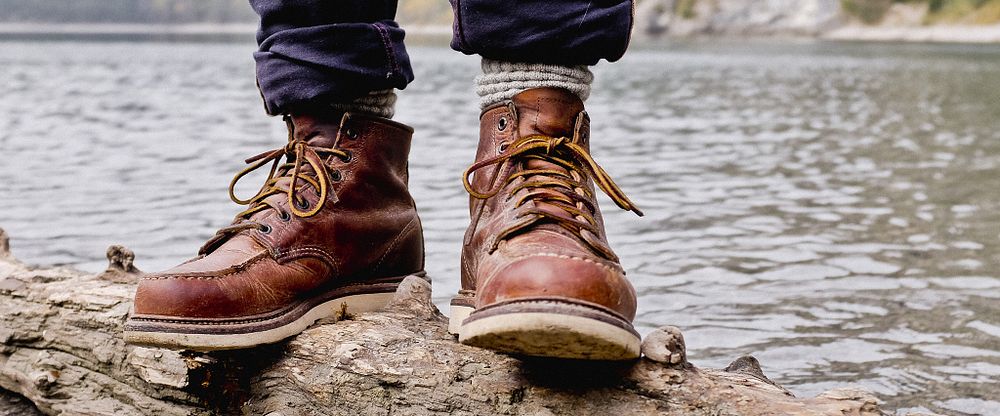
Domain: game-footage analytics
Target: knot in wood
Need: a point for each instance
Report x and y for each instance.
(45, 379)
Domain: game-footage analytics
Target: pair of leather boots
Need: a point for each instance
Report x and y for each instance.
(334, 229)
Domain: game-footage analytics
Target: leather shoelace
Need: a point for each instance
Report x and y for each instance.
(563, 189)
(296, 152)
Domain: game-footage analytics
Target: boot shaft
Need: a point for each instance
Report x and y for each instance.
(375, 175)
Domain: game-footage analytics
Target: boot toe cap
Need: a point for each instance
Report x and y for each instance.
(181, 296)
(223, 294)
(561, 277)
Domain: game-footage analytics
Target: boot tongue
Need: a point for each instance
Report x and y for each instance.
(544, 206)
(318, 132)
(550, 112)
(547, 111)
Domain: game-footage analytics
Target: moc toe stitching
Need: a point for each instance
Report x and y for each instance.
(608, 267)
(206, 275)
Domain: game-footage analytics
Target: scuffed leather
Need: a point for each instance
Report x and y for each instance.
(367, 229)
(544, 260)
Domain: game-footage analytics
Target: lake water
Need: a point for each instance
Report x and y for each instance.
(832, 209)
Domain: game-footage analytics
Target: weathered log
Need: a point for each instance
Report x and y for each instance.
(63, 351)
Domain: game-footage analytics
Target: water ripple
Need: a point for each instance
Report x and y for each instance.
(831, 210)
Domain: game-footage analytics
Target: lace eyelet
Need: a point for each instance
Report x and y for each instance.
(502, 124)
(348, 156)
(265, 229)
(302, 204)
(502, 147)
(284, 216)
(336, 176)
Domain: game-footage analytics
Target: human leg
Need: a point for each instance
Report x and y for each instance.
(332, 228)
(314, 52)
(570, 32)
(538, 276)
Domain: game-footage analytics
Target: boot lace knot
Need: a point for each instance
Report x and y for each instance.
(305, 165)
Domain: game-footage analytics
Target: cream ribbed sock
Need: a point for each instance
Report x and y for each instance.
(381, 103)
(501, 80)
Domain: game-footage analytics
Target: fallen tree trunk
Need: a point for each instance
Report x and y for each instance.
(63, 351)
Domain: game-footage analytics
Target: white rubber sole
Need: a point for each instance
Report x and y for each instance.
(458, 315)
(546, 334)
(352, 304)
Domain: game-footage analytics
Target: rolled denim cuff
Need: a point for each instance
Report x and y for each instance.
(330, 63)
(565, 32)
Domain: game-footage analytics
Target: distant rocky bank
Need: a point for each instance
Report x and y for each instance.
(962, 21)
(874, 20)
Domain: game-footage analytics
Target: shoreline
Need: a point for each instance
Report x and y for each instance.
(986, 34)
(126, 29)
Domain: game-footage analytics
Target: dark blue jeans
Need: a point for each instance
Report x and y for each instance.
(315, 51)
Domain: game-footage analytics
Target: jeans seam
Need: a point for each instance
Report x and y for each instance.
(459, 27)
(389, 50)
(631, 27)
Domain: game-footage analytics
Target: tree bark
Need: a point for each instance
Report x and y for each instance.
(63, 351)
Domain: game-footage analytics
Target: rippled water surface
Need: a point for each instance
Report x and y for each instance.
(832, 209)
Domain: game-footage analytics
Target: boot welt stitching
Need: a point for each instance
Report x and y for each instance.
(231, 321)
(573, 303)
(172, 321)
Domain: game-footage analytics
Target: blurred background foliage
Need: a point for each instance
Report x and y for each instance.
(938, 11)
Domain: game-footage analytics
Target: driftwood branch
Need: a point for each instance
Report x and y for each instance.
(62, 349)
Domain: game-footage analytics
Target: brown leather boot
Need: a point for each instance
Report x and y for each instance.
(332, 231)
(538, 277)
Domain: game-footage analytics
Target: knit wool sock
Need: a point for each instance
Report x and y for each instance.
(381, 103)
(502, 80)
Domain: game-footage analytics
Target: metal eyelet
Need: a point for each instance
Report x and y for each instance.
(348, 156)
(265, 229)
(301, 204)
(284, 216)
(502, 124)
(351, 133)
(502, 147)
(336, 176)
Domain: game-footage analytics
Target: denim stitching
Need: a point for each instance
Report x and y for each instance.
(390, 52)
(458, 27)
